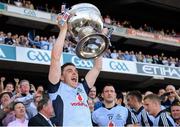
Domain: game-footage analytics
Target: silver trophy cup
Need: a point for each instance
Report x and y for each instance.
(85, 26)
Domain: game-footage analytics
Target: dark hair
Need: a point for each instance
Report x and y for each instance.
(65, 65)
(17, 102)
(41, 103)
(175, 103)
(8, 93)
(120, 96)
(136, 94)
(10, 83)
(108, 84)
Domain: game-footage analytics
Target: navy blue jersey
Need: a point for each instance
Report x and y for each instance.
(143, 117)
(164, 119)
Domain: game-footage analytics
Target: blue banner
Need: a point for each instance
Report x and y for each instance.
(7, 52)
(78, 62)
(2, 6)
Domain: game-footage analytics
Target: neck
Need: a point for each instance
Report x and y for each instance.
(45, 114)
(22, 118)
(171, 98)
(109, 104)
(138, 106)
(157, 111)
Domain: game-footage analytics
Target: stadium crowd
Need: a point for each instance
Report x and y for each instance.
(107, 19)
(47, 43)
(21, 101)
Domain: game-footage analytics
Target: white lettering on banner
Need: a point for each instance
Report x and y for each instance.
(150, 70)
(82, 63)
(118, 66)
(2, 54)
(39, 56)
(164, 71)
(30, 55)
(29, 12)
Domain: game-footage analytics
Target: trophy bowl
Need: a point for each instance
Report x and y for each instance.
(85, 26)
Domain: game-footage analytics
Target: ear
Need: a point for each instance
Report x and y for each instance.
(102, 95)
(62, 78)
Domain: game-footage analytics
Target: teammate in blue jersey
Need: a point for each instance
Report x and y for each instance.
(152, 105)
(111, 114)
(69, 97)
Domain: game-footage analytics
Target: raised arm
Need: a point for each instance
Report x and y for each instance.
(55, 66)
(2, 84)
(94, 72)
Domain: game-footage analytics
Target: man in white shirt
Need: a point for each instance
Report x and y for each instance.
(20, 112)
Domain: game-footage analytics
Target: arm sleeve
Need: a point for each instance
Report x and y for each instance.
(86, 87)
(53, 88)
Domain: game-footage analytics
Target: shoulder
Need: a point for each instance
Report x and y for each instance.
(122, 108)
(53, 88)
(12, 123)
(99, 110)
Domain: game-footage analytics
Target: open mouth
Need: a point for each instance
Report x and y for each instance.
(74, 79)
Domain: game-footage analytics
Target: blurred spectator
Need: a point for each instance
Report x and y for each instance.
(9, 87)
(120, 99)
(5, 100)
(133, 56)
(44, 44)
(107, 53)
(175, 112)
(29, 5)
(40, 89)
(45, 112)
(139, 57)
(114, 54)
(27, 98)
(18, 3)
(20, 111)
(120, 55)
(107, 20)
(172, 96)
(147, 93)
(2, 37)
(162, 95)
(127, 56)
(92, 94)
(165, 61)
(8, 40)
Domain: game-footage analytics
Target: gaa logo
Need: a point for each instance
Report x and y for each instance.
(118, 66)
(38, 56)
(29, 12)
(82, 63)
